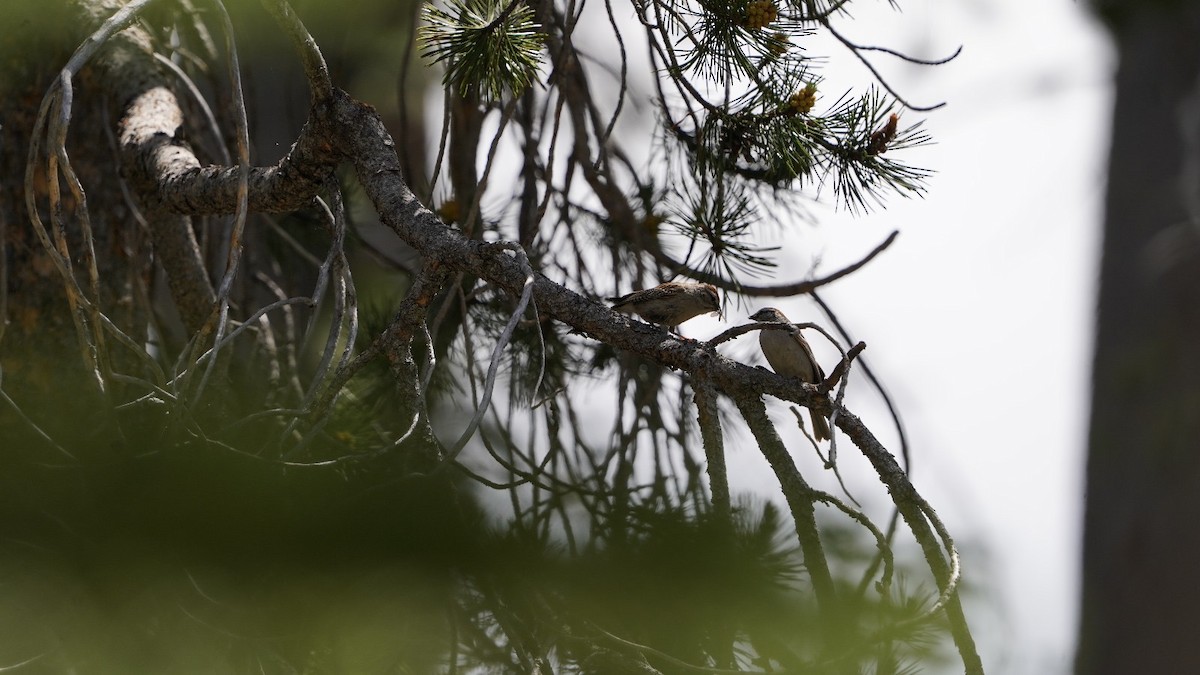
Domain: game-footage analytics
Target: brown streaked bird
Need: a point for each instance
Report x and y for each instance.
(789, 354)
(670, 304)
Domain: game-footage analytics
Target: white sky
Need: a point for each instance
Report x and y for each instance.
(979, 317)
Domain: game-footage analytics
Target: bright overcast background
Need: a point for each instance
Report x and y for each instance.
(979, 317)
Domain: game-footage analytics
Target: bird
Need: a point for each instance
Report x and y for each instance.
(789, 354)
(670, 304)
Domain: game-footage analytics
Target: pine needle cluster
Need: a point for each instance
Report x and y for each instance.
(487, 47)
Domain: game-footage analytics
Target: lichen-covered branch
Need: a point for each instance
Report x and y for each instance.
(714, 446)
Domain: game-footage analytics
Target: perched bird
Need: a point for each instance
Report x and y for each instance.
(789, 354)
(670, 304)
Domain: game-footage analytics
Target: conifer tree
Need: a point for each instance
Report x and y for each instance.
(337, 361)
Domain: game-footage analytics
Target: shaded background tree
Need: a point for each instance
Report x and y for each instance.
(1141, 543)
(339, 451)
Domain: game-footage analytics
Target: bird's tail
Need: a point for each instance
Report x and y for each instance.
(820, 426)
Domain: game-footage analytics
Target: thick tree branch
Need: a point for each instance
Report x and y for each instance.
(165, 171)
(166, 175)
(800, 498)
(714, 447)
(162, 167)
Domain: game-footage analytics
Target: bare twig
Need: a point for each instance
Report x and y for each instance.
(501, 343)
(776, 291)
(857, 51)
(310, 55)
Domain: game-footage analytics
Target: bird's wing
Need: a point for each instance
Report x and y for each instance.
(812, 358)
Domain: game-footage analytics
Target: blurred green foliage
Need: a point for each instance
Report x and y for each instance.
(157, 550)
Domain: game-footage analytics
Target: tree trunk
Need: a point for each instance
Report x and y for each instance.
(1142, 522)
(40, 353)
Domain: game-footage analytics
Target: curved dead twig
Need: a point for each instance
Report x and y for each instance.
(857, 50)
(777, 291)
